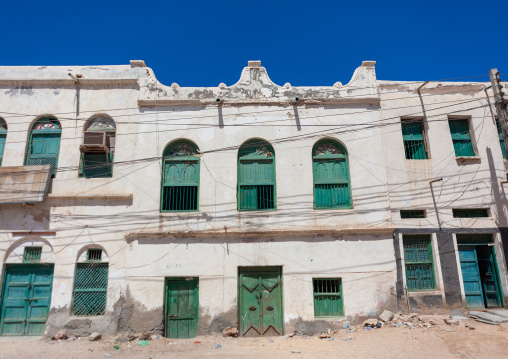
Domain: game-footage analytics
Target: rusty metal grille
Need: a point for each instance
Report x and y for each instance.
(90, 288)
(32, 255)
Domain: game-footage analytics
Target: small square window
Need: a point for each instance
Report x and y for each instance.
(413, 213)
(32, 255)
(94, 255)
(327, 297)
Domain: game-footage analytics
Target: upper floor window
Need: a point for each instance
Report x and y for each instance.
(332, 188)
(501, 138)
(98, 148)
(180, 177)
(461, 137)
(414, 139)
(44, 144)
(3, 136)
(256, 176)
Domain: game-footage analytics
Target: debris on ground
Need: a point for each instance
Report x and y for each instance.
(94, 336)
(61, 335)
(372, 322)
(324, 336)
(142, 343)
(386, 316)
(493, 316)
(196, 342)
(451, 321)
(230, 332)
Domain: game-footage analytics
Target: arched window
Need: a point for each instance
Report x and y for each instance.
(98, 148)
(331, 176)
(44, 144)
(3, 136)
(256, 176)
(180, 177)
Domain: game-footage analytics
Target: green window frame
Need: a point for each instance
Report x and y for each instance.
(332, 185)
(44, 144)
(501, 138)
(470, 212)
(257, 190)
(91, 286)
(32, 254)
(180, 177)
(419, 262)
(3, 138)
(413, 135)
(327, 297)
(461, 138)
(97, 150)
(412, 213)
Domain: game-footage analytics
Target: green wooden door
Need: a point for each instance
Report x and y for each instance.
(488, 274)
(3, 136)
(181, 308)
(260, 301)
(26, 298)
(471, 277)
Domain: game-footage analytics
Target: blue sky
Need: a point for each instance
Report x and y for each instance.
(203, 43)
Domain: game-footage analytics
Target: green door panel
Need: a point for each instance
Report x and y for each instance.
(471, 277)
(490, 283)
(260, 301)
(26, 299)
(182, 308)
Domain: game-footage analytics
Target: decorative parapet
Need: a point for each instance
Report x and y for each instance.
(255, 87)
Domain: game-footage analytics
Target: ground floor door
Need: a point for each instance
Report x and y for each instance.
(181, 308)
(260, 301)
(479, 275)
(26, 297)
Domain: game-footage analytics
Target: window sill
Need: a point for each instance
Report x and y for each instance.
(468, 158)
(424, 292)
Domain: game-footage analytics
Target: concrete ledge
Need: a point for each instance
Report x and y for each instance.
(92, 196)
(468, 158)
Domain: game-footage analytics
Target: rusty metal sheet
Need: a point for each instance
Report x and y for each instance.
(24, 184)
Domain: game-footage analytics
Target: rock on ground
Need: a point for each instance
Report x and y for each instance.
(230, 332)
(386, 316)
(94, 336)
(451, 321)
(371, 322)
(61, 335)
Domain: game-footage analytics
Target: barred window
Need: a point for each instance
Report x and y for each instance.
(91, 285)
(418, 262)
(327, 297)
(32, 254)
(414, 139)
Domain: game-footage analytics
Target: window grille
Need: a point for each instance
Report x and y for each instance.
(256, 177)
(413, 213)
(90, 289)
(501, 138)
(331, 176)
(97, 165)
(180, 177)
(327, 297)
(94, 254)
(414, 139)
(3, 137)
(44, 145)
(470, 212)
(32, 254)
(418, 263)
(474, 239)
(461, 138)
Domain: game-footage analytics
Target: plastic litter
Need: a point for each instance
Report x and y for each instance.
(218, 346)
(367, 328)
(117, 347)
(379, 325)
(270, 340)
(350, 331)
(108, 355)
(346, 327)
(142, 343)
(197, 342)
(330, 339)
(346, 339)
(295, 351)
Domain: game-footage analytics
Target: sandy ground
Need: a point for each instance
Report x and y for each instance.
(441, 341)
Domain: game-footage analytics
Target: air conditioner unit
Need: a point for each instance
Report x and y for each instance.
(94, 142)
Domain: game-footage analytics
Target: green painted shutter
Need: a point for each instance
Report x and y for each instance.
(501, 139)
(461, 138)
(3, 136)
(44, 148)
(90, 288)
(327, 297)
(414, 141)
(419, 263)
(256, 177)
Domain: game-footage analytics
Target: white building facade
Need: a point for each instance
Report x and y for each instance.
(183, 211)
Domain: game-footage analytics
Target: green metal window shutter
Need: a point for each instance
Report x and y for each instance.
(461, 138)
(331, 176)
(470, 212)
(180, 178)
(3, 137)
(256, 177)
(32, 254)
(44, 146)
(97, 165)
(414, 140)
(501, 139)
(419, 263)
(90, 288)
(327, 297)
